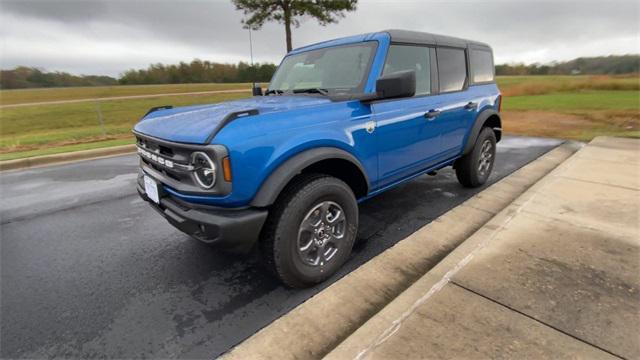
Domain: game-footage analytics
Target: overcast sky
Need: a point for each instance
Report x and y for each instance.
(108, 37)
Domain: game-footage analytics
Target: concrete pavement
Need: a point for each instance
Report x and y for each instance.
(556, 274)
(317, 326)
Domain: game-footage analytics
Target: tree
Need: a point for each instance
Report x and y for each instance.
(287, 12)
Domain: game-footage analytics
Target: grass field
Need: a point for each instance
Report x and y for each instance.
(10, 97)
(36, 126)
(572, 107)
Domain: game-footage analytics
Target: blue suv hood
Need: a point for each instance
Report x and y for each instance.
(194, 124)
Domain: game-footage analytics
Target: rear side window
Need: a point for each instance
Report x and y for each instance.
(452, 69)
(481, 66)
(407, 57)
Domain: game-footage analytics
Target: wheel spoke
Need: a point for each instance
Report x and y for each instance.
(336, 217)
(328, 252)
(306, 234)
(315, 257)
(324, 210)
(306, 246)
(307, 226)
(310, 253)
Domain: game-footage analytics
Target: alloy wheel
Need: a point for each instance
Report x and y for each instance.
(321, 232)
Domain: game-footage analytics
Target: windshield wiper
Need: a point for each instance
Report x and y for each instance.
(322, 91)
(274, 91)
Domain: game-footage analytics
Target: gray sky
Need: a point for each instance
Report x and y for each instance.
(110, 36)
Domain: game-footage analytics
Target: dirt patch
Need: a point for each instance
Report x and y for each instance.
(575, 126)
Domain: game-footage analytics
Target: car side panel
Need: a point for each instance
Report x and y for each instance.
(407, 141)
(341, 125)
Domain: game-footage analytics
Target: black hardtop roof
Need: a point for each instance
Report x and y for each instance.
(416, 37)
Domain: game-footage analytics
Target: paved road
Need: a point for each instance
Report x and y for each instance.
(89, 270)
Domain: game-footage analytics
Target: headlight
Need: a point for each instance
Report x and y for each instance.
(204, 169)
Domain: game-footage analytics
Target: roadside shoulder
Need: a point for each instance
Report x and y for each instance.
(57, 159)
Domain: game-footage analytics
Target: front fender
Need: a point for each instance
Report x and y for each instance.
(287, 170)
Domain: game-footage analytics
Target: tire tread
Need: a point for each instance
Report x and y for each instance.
(301, 187)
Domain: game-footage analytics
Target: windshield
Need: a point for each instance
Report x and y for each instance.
(335, 70)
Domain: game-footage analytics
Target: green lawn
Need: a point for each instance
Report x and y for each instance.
(27, 127)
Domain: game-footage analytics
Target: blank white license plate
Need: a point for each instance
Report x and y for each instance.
(151, 188)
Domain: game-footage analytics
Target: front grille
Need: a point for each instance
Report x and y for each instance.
(177, 156)
(180, 176)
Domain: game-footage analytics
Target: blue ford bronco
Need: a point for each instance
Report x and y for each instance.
(341, 121)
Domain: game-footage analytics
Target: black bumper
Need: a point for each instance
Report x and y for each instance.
(234, 230)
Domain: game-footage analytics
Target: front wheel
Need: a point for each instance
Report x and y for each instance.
(310, 231)
(474, 168)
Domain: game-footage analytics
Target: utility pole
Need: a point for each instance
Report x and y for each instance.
(100, 119)
(255, 90)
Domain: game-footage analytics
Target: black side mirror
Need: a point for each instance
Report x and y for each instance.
(396, 85)
(257, 91)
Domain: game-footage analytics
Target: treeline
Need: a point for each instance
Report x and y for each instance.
(25, 77)
(199, 71)
(601, 65)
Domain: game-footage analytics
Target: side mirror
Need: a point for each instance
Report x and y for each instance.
(257, 91)
(396, 85)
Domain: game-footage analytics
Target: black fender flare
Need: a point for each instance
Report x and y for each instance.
(477, 126)
(280, 177)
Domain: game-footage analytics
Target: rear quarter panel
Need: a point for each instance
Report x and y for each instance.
(487, 97)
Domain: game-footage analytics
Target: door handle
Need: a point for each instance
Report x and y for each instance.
(471, 105)
(431, 114)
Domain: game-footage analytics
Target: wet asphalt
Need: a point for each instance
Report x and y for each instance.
(90, 270)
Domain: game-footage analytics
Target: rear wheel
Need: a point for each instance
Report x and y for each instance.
(474, 168)
(310, 231)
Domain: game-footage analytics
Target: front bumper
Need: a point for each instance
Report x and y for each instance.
(236, 230)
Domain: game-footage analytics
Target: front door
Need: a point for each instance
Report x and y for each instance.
(407, 133)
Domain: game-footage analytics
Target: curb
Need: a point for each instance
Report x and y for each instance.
(375, 331)
(320, 324)
(38, 161)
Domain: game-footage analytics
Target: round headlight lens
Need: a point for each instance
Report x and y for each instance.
(204, 169)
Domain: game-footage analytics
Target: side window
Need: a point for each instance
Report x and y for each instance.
(408, 57)
(452, 69)
(481, 66)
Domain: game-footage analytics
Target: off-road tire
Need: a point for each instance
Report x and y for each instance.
(467, 167)
(279, 238)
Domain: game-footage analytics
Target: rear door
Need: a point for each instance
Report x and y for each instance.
(456, 106)
(407, 140)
